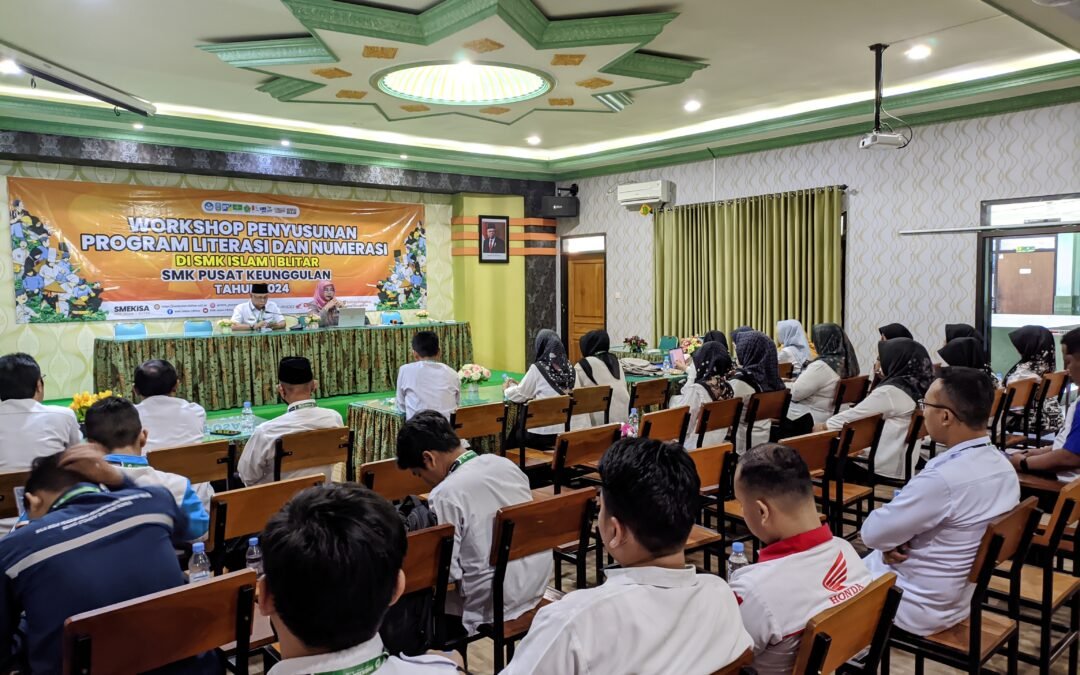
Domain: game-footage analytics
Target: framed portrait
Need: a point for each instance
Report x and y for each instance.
(493, 236)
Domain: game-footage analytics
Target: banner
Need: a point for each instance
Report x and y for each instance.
(92, 252)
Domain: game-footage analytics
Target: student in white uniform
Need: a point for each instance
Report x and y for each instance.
(550, 375)
(794, 348)
(296, 386)
(427, 383)
(259, 313)
(1063, 457)
(332, 566)
(814, 391)
(802, 570)
(711, 336)
(1037, 358)
(907, 373)
(929, 534)
(467, 490)
(655, 613)
(967, 352)
(598, 366)
(712, 364)
(169, 420)
(757, 373)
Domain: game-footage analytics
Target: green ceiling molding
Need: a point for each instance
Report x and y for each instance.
(259, 53)
(652, 67)
(287, 88)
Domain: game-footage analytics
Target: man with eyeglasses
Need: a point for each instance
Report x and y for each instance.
(930, 533)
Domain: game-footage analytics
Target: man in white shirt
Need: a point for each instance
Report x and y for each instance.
(331, 567)
(802, 570)
(169, 421)
(467, 491)
(655, 614)
(1063, 456)
(296, 386)
(427, 384)
(258, 314)
(929, 534)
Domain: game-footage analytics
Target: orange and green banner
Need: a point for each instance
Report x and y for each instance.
(92, 252)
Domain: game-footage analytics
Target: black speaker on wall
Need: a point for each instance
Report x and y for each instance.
(559, 207)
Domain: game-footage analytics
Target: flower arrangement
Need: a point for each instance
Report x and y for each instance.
(422, 315)
(636, 344)
(690, 345)
(471, 373)
(83, 400)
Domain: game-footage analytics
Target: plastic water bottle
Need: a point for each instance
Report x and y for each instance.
(253, 560)
(505, 379)
(667, 362)
(635, 423)
(199, 565)
(248, 417)
(737, 560)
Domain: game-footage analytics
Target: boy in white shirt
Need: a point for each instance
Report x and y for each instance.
(259, 313)
(468, 489)
(802, 570)
(655, 614)
(427, 384)
(169, 420)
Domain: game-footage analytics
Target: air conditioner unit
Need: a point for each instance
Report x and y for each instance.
(652, 192)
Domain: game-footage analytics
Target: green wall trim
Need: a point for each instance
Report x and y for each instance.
(288, 51)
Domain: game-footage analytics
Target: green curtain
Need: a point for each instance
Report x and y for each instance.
(750, 261)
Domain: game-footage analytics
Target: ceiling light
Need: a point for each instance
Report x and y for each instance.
(9, 67)
(918, 52)
(463, 83)
(286, 142)
(692, 105)
(533, 140)
(137, 126)
(403, 156)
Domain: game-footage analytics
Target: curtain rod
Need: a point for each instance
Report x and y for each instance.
(769, 195)
(988, 228)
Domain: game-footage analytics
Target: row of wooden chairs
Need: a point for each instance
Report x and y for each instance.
(1021, 404)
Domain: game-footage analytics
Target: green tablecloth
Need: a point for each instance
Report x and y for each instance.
(223, 371)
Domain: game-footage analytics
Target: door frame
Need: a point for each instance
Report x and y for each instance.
(564, 286)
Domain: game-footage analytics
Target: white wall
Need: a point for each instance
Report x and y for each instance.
(936, 182)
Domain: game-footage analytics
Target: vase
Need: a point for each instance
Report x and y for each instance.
(473, 390)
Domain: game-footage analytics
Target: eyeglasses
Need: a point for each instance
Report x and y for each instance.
(923, 404)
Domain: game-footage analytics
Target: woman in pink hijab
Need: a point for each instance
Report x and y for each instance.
(325, 304)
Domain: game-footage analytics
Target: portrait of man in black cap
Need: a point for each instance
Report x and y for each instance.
(259, 313)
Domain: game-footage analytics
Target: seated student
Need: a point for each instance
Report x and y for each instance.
(467, 490)
(113, 424)
(802, 570)
(711, 336)
(757, 373)
(169, 420)
(712, 364)
(331, 567)
(967, 352)
(907, 372)
(815, 390)
(259, 313)
(296, 386)
(84, 548)
(598, 366)
(794, 349)
(550, 375)
(930, 532)
(895, 330)
(1036, 347)
(1064, 454)
(426, 383)
(655, 613)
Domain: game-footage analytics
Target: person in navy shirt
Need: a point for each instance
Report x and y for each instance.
(1064, 454)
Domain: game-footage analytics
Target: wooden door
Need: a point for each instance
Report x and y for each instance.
(1025, 283)
(586, 304)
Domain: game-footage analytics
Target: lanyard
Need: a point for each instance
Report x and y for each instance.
(365, 668)
(72, 494)
(466, 457)
(301, 406)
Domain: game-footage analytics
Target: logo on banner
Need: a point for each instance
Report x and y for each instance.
(277, 210)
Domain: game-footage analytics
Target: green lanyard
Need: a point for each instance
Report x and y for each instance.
(466, 457)
(72, 494)
(365, 668)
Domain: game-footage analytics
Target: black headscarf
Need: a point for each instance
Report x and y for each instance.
(552, 363)
(717, 336)
(757, 360)
(596, 344)
(906, 366)
(712, 363)
(961, 330)
(965, 352)
(1036, 347)
(834, 348)
(895, 330)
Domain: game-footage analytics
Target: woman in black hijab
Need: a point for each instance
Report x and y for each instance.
(758, 365)
(712, 364)
(960, 330)
(598, 367)
(895, 330)
(967, 352)
(550, 375)
(1037, 358)
(834, 348)
(813, 393)
(717, 336)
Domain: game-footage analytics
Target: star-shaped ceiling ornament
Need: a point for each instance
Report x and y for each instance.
(495, 60)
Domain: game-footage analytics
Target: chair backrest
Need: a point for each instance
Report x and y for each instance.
(716, 415)
(238, 513)
(851, 391)
(141, 634)
(427, 558)
(1004, 538)
(9, 505)
(475, 421)
(574, 448)
(815, 449)
(835, 635)
(1053, 384)
(667, 343)
(199, 463)
(387, 318)
(1023, 393)
(593, 400)
(649, 393)
(997, 416)
(785, 370)
(313, 449)
(547, 412)
(387, 480)
(541, 525)
(736, 666)
(198, 327)
(666, 425)
(1066, 512)
(861, 434)
(710, 464)
(129, 330)
(769, 405)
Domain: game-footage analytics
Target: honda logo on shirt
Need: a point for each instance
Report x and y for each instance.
(835, 580)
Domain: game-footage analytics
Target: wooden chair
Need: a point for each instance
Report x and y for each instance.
(588, 400)
(912, 443)
(1051, 387)
(996, 426)
(666, 425)
(739, 666)
(9, 505)
(771, 406)
(1019, 402)
(785, 370)
(314, 450)
(392, 483)
(709, 463)
(477, 421)
(819, 451)
(523, 530)
(199, 463)
(971, 643)
(838, 634)
(243, 512)
(427, 567)
(648, 393)
(142, 634)
(850, 391)
(858, 437)
(540, 412)
(717, 415)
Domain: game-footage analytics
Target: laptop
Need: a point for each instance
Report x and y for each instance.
(353, 317)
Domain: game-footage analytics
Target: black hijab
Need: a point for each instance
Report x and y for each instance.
(596, 344)
(717, 336)
(834, 348)
(961, 330)
(965, 352)
(906, 366)
(712, 363)
(895, 330)
(552, 363)
(1036, 347)
(757, 360)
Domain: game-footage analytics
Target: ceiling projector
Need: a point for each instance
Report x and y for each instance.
(882, 139)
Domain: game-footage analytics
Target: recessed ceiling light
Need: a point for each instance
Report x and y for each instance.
(9, 67)
(137, 126)
(918, 52)
(403, 156)
(533, 140)
(286, 142)
(463, 83)
(692, 105)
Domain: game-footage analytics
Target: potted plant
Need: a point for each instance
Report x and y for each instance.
(472, 375)
(225, 325)
(82, 401)
(636, 344)
(422, 315)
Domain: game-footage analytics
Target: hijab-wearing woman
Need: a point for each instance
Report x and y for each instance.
(326, 304)
(813, 393)
(794, 348)
(967, 352)
(600, 367)
(907, 373)
(960, 330)
(895, 330)
(1037, 358)
(711, 336)
(712, 364)
(757, 373)
(551, 374)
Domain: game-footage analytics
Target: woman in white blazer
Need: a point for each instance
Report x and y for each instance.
(814, 391)
(757, 373)
(550, 375)
(598, 366)
(794, 348)
(712, 365)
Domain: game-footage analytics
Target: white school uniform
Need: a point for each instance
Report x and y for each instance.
(896, 408)
(695, 396)
(256, 465)
(762, 429)
(534, 385)
(352, 658)
(619, 410)
(792, 356)
(467, 499)
(814, 392)
(170, 422)
(428, 385)
(941, 516)
(246, 313)
(793, 580)
(641, 620)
